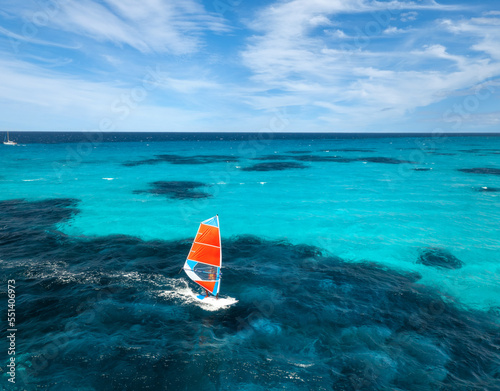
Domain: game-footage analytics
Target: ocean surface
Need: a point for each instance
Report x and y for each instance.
(350, 262)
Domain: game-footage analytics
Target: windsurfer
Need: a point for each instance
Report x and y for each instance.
(206, 294)
(211, 273)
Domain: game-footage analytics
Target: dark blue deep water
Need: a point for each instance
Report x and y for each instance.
(110, 311)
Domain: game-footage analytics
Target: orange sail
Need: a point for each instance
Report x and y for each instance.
(204, 260)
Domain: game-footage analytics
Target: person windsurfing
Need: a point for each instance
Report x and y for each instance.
(206, 294)
(212, 275)
(204, 261)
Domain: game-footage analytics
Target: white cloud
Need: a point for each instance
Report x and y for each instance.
(356, 81)
(303, 55)
(17, 39)
(439, 51)
(113, 60)
(148, 26)
(393, 30)
(24, 83)
(486, 21)
(337, 33)
(409, 16)
(488, 119)
(319, 20)
(56, 101)
(485, 30)
(189, 86)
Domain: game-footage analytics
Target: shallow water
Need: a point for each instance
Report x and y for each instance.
(326, 282)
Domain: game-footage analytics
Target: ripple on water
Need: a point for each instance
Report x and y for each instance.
(113, 313)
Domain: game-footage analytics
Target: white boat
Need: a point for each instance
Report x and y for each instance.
(6, 141)
(204, 261)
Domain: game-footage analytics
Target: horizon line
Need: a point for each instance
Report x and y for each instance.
(234, 132)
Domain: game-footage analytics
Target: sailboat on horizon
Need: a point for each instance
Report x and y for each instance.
(204, 261)
(6, 140)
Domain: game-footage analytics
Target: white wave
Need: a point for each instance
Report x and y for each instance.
(108, 179)
(300, 364)
(58, 270)
(132, 278)
(33, 180)
(183, 292)
(177, 288)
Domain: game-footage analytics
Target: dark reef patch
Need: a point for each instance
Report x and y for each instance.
(485, 189)
(275, 156)
(422, 169)
(17, 214)
(181, 190)
(338, 159)
(141, 162)
(178, 159)
(384, 160)
(437, 257)
(349, 150)
(110, 313)
(319, 158)
(333, 159)
(485, 152)
(198, 159)
(274, 166)
(490, 171)
(28, 227)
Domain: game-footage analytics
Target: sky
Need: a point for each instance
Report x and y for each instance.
(250, 65)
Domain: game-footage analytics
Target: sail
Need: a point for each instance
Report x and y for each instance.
(203, 262)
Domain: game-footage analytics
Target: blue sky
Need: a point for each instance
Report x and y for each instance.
(241, 65)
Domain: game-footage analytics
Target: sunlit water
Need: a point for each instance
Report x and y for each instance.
(327, 284)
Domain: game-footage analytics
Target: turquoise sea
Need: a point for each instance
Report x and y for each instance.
(350, 262)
